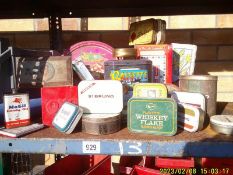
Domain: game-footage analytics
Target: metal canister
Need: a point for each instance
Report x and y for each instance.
(205, 84)
(222, 124)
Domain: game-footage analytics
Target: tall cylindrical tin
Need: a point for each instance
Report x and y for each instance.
(205, 84)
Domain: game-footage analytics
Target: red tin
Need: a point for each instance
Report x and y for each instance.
(161, 57)
(138, 170)
(163, 162)
(53, 98)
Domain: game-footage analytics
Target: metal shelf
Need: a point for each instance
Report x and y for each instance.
(205, 143)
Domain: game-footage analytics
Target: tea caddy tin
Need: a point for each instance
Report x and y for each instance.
(16, 110)
(67, 117)
(152, 116)
(101, 124)
(100, 96)
(150, 90)
(222, 124)
(190, 118)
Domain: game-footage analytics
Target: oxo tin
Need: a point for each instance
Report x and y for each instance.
(150, 90)
(152, 116)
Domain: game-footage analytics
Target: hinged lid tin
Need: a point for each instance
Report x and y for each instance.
(152, 116)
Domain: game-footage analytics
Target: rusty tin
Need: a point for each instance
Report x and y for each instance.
(150, 90)
(152, 116)
(222, 124)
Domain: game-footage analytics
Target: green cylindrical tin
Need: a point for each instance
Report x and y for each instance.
(205, 84)
(152, 116)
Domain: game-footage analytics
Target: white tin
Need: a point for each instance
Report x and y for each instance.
(222, 124)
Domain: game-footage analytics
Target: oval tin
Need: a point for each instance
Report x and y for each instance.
(152, 116)
(150, 90)
(222, 124)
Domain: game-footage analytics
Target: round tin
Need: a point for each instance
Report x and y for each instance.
(101, 124)
(125, 53)
(222, 124)
(205, 84)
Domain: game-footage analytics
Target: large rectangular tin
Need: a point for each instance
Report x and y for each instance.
(44, 71)
(152, 116)
(161, 57)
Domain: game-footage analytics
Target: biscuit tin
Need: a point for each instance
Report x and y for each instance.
(152, 116)
(100, 124)
(67, 118)
(222, 124)
(100, 96)
(150, 31)
(161, 57)
(150, 90)
(190, 118)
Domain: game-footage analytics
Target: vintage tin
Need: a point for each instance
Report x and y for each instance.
(16, 110)
(195, 99)
(205, 84)
(152, 116)
(161, 57)
(222, 124)
(82, 71)
(67, 118)
(93, 54)
(150, 31)
(184, 56)
(53, 98)
(124, 53)
(101, 124)
(190, 118)
(42, 71)
(150, 90)
(101, 96)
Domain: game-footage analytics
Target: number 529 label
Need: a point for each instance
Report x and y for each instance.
(91, 147)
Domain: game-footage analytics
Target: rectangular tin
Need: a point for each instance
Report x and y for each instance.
(190, 118)
(150, 31)
(44, 71)
(150, 90)
(152, 116)
(161, 57)
(82, 71)
(16, 110)
(101, 96)
(53, 98)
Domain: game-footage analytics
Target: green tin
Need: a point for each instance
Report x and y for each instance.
(152, 116)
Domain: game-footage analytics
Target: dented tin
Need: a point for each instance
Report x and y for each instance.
(190, 118)
(150, 90)
(152, 116)
(101, 96)
(222, 124)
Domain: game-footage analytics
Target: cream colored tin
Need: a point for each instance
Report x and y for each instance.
(222, 124)
(100, 96)
(150, 90)
(190, 117)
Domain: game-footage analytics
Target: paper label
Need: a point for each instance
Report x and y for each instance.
(91, 147)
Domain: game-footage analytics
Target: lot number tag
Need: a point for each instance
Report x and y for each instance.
(91, 147)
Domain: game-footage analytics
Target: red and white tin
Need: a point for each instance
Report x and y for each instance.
(17, 110)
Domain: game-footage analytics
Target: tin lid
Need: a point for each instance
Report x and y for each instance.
(124, 52)
(223, 120)
(198, 77)
(127, 62)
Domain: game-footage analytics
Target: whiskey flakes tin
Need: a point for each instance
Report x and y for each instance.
(67, 118)
(222, 124)
(16, 110)
(190, 118)
(100, 96)
(101, 124)
(41, 71)
(152, 116)
(150, 90)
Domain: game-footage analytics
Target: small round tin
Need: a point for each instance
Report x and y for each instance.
(222, 124)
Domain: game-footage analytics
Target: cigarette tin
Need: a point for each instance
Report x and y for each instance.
(100, 96)
(150, 31)
(190, 118)
(222, 124)
(82, 71)
(16, 110)
(152, 116)
(101, 124)
(53, 98)
(67, 118)
(184, 56)
(150, 90)
(93, 54)
(42, 71)
(161, 57)
(196, 99)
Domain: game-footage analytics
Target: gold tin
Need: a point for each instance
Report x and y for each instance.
(125, 53)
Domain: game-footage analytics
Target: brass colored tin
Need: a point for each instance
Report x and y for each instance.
(125, 53)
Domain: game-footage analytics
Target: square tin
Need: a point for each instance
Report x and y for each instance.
(152, 116)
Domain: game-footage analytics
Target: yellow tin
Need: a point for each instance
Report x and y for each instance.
(150, 90)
